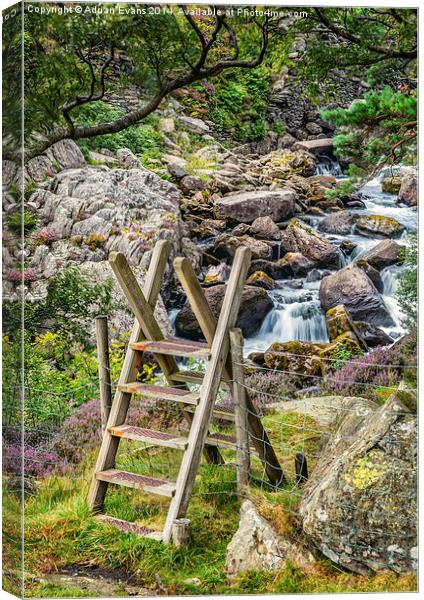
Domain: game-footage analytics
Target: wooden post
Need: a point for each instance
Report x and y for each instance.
(181, 532)
(301, 467)
(240, 411)
(104, 369)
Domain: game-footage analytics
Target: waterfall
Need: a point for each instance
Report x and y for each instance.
(329, 166)
(296, 315)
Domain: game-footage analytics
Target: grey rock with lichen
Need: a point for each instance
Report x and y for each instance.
(359, 508)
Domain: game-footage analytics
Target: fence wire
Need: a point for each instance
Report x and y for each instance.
(63, 443)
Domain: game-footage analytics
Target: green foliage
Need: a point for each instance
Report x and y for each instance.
(366, 42)
(145, 139)
(239, 103)
(382, 126)
(407, 291)
(72, 303)
(16, 221)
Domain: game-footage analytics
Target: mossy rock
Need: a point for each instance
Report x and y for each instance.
(261, 279)
(359, 506)
(296, 357)
(391, 185)
(379, 225)
(343, 348)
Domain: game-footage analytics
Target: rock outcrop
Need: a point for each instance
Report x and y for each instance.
(85, 213)
(353, 288)
(256, 546)
(359, 507)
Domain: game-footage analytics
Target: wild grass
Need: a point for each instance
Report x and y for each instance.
(60, 531)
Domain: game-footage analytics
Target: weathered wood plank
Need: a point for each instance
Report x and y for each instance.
(174, 347)
(152, 485)
(160, 392)
(209, 390)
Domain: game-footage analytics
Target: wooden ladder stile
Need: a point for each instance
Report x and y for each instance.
(197, 407)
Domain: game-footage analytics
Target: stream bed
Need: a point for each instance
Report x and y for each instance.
(296, 312)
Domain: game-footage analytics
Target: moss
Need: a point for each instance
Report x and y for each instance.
(366, 471)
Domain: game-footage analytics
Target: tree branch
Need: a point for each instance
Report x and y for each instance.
(197, 72)
(347, 35)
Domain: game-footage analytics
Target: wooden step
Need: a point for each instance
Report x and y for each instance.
(218, 415)
(129, 527)
(188, 377)
(152, 485)
(150, 436)
(160, 392)
(195, 377)
(174, 347)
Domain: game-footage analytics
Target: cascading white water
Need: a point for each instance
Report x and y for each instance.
(296, 315)
(329, 166)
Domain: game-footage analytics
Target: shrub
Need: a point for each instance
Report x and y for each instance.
(16, 276)
(370, 374)
(95, 240)
(140, 138)
(46, 236)
(16, 221)
(38, 462)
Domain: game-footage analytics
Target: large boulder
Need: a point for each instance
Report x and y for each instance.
(245, 207)
(340, 223)
(339, 321)
(255, 305)
(296, 264)
(353, 288)
(265, 228)
(256, 546)
(359, 507)
(391, 185)
(384, 254)
(274, 269)
(378, 226)
(261, 279)
(408, 192)
(373, 336)
(298, 237)
(372, 273)
(226, 247)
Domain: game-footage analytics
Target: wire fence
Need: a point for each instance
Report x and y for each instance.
(303, 434)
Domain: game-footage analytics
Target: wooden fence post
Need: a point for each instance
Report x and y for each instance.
(240, 411)
(104, 369)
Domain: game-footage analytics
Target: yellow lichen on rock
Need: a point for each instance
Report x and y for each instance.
(367, 471)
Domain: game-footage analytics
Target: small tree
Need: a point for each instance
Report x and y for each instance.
(69, 59)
